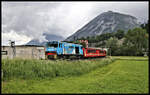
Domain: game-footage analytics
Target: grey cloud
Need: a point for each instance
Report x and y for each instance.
(23, 18)
(61, 18)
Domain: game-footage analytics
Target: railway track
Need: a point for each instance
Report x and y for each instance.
(77, 59)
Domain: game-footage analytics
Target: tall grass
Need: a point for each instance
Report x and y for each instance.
(42, 69)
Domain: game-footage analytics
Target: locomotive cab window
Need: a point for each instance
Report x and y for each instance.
(55, 45)
(60, 45)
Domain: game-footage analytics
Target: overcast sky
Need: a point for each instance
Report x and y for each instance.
(24, 21)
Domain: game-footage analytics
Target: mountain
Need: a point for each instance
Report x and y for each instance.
(106, 22)
(51, 37)
(48, 37)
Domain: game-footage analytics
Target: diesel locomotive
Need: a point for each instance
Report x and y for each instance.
(57, 49)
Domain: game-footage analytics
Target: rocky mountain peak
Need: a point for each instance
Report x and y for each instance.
(106, 22)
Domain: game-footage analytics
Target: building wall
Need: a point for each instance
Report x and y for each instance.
(24, 52)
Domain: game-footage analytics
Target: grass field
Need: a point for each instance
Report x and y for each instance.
(47, 69)
(124, 75)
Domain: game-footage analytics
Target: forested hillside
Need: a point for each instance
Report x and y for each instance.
(134, 42)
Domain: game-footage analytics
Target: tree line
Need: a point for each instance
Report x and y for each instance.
(134, 42)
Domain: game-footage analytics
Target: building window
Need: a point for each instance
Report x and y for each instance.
(3, 52)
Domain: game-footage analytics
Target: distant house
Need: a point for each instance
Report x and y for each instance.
(23, 51)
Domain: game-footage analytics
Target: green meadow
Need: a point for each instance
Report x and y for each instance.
(107, 75)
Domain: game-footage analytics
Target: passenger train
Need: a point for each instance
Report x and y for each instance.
(57, 49)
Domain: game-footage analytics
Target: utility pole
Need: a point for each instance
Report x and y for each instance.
(13, 49)
(110, 51)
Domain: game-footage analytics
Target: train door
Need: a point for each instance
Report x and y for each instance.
(77, 50)
(60, 51)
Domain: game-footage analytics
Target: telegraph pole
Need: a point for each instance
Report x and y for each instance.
(12, 46)
(110, 51)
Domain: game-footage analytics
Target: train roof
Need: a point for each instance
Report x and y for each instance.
(65, 43)
(94, 48)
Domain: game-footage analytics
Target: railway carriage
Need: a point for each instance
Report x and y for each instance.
(93, 52)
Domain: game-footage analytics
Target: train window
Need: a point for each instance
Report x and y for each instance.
(101, 51)
(91, 51)
(71, 47)
(105, 52)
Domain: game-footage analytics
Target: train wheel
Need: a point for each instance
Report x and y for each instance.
(46, 57)
(55, 56)
(79, 57)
